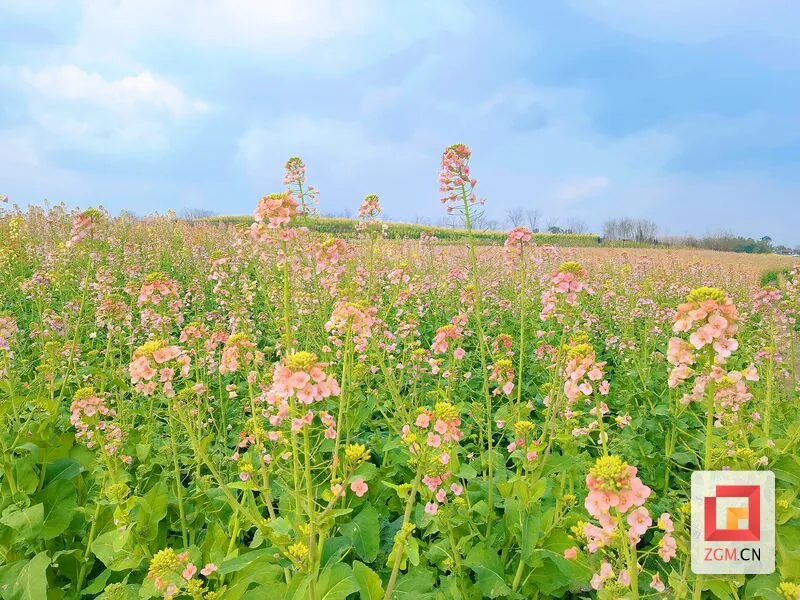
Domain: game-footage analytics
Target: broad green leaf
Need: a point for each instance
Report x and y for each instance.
(115, 553)
(27, 521)
(415, 585)
(364, 532)
(63, 468)
(31, 582)
(336, 582)
(488, 570)
(370, 586)
(59, 499)
(238, 563)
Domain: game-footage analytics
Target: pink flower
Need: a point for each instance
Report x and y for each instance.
(667, 548)
(441, 495)
(359, 487)
(456, 489)
(571, 553)
(423, 420)
(624, 578)
(189, 571)
(657, 584)
(639, 520)
(434, 440)
(208, 569)
(665, 523)
(431, 508)
(459, 353)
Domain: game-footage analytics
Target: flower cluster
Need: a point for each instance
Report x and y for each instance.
(582, 372)
(93, 421)
(277, 210)
(173, 573)
(710, 318)
(157, 363)
(301, 376)
(522, 432)
(788, 590)
(617, 500)
(446, 334)
(515, 242)
(370, 208)
(8, 332)
(354, 319)
(502, 374)
(565, 286)
(432, 440)
(160, 301)
(295, 176)
(455, 183)
(83, 226)
(239, 353)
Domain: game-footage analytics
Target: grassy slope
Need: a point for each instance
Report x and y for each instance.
(346, 227)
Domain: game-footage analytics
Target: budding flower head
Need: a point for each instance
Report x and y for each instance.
(522, 427)
(611, 473)
(148, 348)
(701, 294)
(298, 551)
(83, 393)
(163, 564)
(445, 411)
(295, 170)
(356, 453)
(572, 267)
(788, 590)
(301, 361)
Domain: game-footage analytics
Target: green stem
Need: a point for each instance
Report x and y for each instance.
(489, 475)
(406, 518)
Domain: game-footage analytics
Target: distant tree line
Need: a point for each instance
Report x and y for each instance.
(618, 230)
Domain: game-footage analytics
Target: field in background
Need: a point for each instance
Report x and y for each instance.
(342, 227)
(206, 411)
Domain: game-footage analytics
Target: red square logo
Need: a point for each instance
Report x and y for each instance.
(733, 532)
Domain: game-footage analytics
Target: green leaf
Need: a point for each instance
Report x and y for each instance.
(488, 570)
(27, 521)
(415, 585)
(31, 582)
(152, 508)
(370, 586)
(237, 563)
(98, 584)
(336, 583)
(365, 533)
(59, 499)
(63, 468)
(112, 549)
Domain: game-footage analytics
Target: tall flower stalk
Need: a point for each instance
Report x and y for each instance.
(458, 193)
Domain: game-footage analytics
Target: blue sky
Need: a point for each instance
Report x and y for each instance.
(682, 111)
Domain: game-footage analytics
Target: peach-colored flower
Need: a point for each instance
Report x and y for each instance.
(359, 487)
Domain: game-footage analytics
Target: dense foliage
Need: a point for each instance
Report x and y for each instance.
(190, 410)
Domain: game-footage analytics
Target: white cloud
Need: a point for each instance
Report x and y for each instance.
(324, 33)
(69, 82)
(74, 109)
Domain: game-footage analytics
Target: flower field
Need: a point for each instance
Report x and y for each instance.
(197, 410)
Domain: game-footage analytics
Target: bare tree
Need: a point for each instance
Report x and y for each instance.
(552, 224)
(634, 230)
(515, 216)
(576, 225)
(534, 216)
